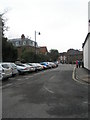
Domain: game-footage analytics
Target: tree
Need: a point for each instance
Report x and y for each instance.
(54, 54)
(9, 52)
(30, 56)
(27, 56)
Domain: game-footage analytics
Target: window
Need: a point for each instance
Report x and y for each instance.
(5, 66)
(30, 43)
(17, 43)
(24, 42)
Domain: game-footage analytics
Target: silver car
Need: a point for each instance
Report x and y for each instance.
(6, 71)
(22, 68)
(14, 68)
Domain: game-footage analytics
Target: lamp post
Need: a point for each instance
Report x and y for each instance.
(35, 40)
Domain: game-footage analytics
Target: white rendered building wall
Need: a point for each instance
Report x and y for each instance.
(85, 54)
(89, 37)
(89, 16)
(89, 53)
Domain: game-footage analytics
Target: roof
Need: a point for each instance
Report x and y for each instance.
(19, 39)
(63, 54)
(88, 35)
(73, 52)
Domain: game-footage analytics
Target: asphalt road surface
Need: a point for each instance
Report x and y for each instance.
(46, 94)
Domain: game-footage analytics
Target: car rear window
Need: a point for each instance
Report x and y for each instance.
(13, 65)
(5, 66)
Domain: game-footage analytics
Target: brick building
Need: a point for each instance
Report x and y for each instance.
(43, 50)
(73, 55)
(24, 44)
(63, 57)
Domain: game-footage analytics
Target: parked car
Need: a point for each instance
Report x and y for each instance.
(56, 62)
(32, 68)
(46, 64)
(6, 71)
(22, 68)
(39, 66)
(14, 68)
(53, 65)
(27, 66)
(33, 65)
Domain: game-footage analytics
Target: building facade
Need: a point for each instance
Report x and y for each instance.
(24, 44)
(0, 39)
(88, 16)
(18, 42)
(86, 52)
(86, 44)
(63, 57)
(73, 55)
(43, 50)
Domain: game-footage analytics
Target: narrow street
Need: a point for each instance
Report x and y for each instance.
(46, 94)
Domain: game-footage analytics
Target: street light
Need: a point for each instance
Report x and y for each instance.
(35, 39)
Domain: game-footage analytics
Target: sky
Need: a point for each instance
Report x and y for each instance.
(63, 24)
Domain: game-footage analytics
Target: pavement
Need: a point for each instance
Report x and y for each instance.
(82, 75)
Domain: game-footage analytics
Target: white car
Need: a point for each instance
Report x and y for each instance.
(27, 66)
(32, 68)
(14, 68)
(37, 66)
(53, 65)
(6, 71)
(22, 68)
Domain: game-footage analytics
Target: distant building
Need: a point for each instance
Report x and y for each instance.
(63, 57)
(43, 50)
(24, 44)
(73, 55)
(18, 42)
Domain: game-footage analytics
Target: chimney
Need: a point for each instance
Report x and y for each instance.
(22, 36)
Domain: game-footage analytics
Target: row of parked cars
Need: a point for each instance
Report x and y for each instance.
(8, 69)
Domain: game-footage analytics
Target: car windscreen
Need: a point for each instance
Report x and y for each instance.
(20, 65)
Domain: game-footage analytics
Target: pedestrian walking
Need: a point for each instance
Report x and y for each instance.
(79, 64)
(76, 63)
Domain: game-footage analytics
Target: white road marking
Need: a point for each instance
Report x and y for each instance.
(52, 77)
(48, 90)
(85, 102)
